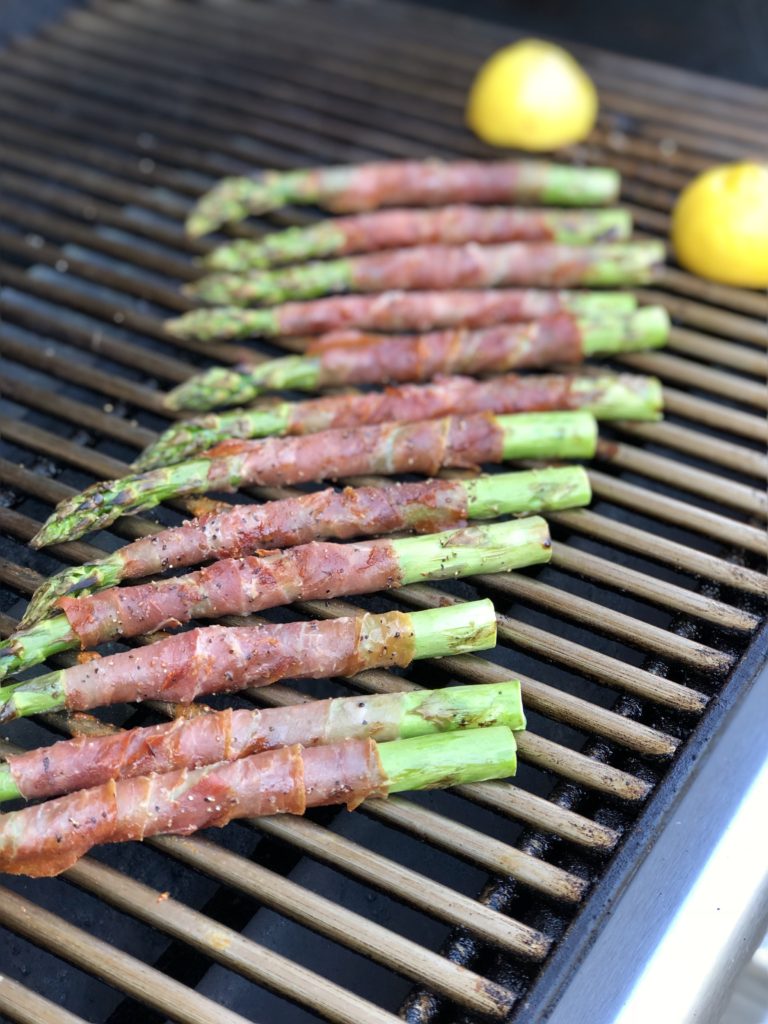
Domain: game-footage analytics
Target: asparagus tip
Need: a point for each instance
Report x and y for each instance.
(178, 326)
(80, 580)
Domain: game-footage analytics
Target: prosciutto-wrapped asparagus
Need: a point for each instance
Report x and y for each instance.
(394, 229)
(353, 357)
(389, 448)
(242, 586)
(607, 396)
(246, 529)
(228, 735)
(395, 311)
(353, 189)
(527, 264)
(45, 839)
(224, 659)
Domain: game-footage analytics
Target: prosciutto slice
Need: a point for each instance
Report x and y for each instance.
(461, 442)
(354, 357)
(425, 507)
(47, 838)
(221, 659)
(204, 738)
(234, 586)
(418, 311)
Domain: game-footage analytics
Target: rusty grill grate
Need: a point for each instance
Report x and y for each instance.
(110, 122)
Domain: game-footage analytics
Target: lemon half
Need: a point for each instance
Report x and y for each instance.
(532, 95)
(720, 225)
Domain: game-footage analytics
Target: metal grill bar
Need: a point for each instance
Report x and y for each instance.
(93, 250)
(27, 1007)
(113, 966)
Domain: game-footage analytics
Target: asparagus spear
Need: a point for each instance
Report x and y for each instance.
(352, 189)
(389, 448)
(396, 311)
(528, 264)
(392, 229)
(607, 396)
(231, 734)
(309, 572)
(352, 358)
(219, 659)
(50, 837)
(424, 507)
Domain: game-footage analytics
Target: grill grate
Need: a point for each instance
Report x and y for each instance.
(111, 122)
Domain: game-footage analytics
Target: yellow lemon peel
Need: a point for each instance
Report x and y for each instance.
(532, 95)
(720, 225)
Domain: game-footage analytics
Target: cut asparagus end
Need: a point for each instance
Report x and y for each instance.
(584, 226)
(438, 632)
(483, 705)
(190, 437)
(101, 504)
(231, 200)
(79, 580)
(645, 328)
(580, 186)
(228, 323)
(631, 263)
(549, 435)
(624, 396)
(592, 305)
(495, 547)
(36, 697)
(448, 759)
(8, 788)
(31, 646)
(536, 490)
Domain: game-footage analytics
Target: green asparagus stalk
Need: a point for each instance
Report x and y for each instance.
(497, 547)
(232, 323)
(351, 189)
(341, 236)
(556, 435)
(607, 396)
(220, 386)
(449, 759)
(536, 264)
(47, 839)
(328, 515)
(227, 385)
(71, 765)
